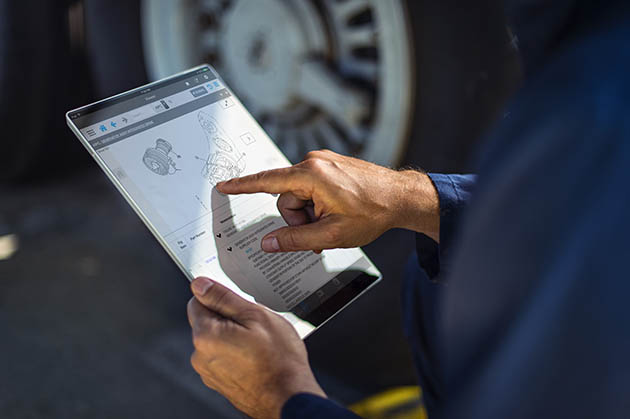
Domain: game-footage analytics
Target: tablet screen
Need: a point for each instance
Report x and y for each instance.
(166, 146)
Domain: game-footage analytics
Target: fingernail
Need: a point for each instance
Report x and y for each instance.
(200, 285)
(270, 244)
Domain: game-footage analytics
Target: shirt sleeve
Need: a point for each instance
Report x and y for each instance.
(454, 193)
(310, 406)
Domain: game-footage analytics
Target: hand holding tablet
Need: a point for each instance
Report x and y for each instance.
(250, 355)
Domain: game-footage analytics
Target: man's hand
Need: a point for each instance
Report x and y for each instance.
(331, 201)
(247, 353)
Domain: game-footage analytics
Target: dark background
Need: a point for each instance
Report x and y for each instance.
(92, 310)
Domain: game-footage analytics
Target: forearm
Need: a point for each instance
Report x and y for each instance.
(417, 205)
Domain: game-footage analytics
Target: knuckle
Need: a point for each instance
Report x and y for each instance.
(199, 340)
(316, 165)
(308, 163)
(313, 155)
(203, 333)
(312, 158)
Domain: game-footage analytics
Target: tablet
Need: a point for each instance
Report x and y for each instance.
(165, 146)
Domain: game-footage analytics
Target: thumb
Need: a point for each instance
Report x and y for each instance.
(219, 299)
(322, 234)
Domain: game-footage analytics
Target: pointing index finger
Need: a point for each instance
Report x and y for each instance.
(275, 181)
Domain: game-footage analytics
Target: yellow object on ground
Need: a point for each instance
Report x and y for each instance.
(396, 403)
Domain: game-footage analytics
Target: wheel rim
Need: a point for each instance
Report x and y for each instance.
(316, 74)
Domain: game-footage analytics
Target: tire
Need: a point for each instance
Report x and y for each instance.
(36, 88)
(114, 45)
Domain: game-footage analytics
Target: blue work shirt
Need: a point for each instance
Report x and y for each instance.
(523, 309)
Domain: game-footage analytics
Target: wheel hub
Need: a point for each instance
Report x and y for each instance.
(261, 47)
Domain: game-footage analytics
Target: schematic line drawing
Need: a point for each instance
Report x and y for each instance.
(225, 161)
(158, 159)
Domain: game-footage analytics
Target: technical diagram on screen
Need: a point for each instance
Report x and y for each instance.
(165, 148)
(158, 159)
(225, 161)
